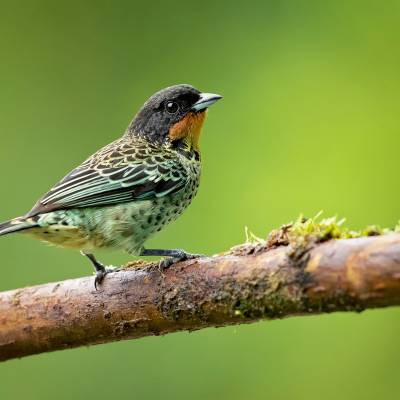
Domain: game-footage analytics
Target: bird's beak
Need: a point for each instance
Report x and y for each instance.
(206, 100)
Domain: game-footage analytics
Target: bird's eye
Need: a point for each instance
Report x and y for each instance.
(172, 107)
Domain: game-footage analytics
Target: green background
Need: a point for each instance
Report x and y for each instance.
(309, 121)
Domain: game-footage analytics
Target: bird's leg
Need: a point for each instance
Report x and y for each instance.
(101, 270)
(174, 256)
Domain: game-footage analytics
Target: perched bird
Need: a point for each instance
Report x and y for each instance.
(131, 188)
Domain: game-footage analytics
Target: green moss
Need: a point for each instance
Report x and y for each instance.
(319, 229)
(306, 231)
(332, 228)
(273, 296)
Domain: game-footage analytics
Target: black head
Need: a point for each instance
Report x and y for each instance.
(165, 109)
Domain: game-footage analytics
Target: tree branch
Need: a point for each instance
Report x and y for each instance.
(246, 285)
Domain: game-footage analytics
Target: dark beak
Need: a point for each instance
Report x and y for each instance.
(205, 101)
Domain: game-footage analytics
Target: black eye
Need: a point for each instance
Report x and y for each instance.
(172, 107)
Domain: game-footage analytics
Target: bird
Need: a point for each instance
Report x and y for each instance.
(130, 189)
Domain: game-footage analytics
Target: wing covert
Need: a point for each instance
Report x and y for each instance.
(116, 174)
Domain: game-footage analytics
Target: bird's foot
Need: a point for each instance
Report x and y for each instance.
(100, 269)
(101, 274)
(180, 255)
(174, 256)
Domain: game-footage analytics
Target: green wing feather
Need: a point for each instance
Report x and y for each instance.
(121, 172)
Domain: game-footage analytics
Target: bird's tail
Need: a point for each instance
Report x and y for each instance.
(16, 225)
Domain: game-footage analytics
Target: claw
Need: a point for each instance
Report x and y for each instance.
(183, 256)
(100, 269)
(101, 274)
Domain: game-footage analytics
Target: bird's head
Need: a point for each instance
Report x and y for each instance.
(173, 115)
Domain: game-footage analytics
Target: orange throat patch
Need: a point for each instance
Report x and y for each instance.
(189, 129)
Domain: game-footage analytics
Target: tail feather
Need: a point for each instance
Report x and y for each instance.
(16, 225)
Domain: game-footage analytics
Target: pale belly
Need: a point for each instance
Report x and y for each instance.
(126, 226)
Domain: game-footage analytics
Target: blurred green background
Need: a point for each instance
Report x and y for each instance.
(310, 120)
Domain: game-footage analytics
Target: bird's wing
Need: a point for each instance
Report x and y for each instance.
(120, 172)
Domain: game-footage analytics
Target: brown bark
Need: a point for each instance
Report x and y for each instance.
(247, 285)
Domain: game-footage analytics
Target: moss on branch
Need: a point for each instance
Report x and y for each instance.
(310, 266)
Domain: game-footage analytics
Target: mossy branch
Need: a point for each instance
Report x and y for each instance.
(299, 270)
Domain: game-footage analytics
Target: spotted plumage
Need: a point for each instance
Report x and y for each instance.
(131, 188)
